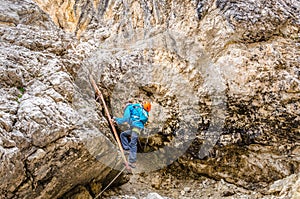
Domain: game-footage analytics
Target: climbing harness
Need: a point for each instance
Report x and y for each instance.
(98, 92)
(110, 183)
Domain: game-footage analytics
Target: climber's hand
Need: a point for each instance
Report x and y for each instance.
(113, 121)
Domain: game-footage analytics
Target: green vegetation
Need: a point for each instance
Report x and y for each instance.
(22, 90)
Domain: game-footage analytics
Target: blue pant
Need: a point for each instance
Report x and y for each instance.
(132, 145)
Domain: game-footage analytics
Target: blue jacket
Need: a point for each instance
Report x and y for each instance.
(135, 115)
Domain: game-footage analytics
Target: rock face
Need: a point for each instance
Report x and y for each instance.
(223, 77)
(48, 144)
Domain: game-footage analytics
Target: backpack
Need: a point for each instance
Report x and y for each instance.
(137, 114)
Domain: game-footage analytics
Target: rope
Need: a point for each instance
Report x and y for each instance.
(110, 183)
(110, 121)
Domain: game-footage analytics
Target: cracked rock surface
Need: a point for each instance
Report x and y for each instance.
(222, 75)
(45, 149)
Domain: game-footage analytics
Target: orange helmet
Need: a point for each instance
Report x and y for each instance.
(147, 105)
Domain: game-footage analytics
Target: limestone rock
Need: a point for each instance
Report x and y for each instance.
(156, 182)
(48, 147)
(287, 187)
(236, 61)
(153, 196)
(79, 192)
(223, 77)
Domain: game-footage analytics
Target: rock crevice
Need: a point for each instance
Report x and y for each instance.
(223, 77)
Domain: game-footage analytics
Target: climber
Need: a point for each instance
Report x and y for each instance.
(136, 115)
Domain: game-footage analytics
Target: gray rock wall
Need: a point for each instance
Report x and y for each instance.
(241, 60)
(49, 145)
(223, 77)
